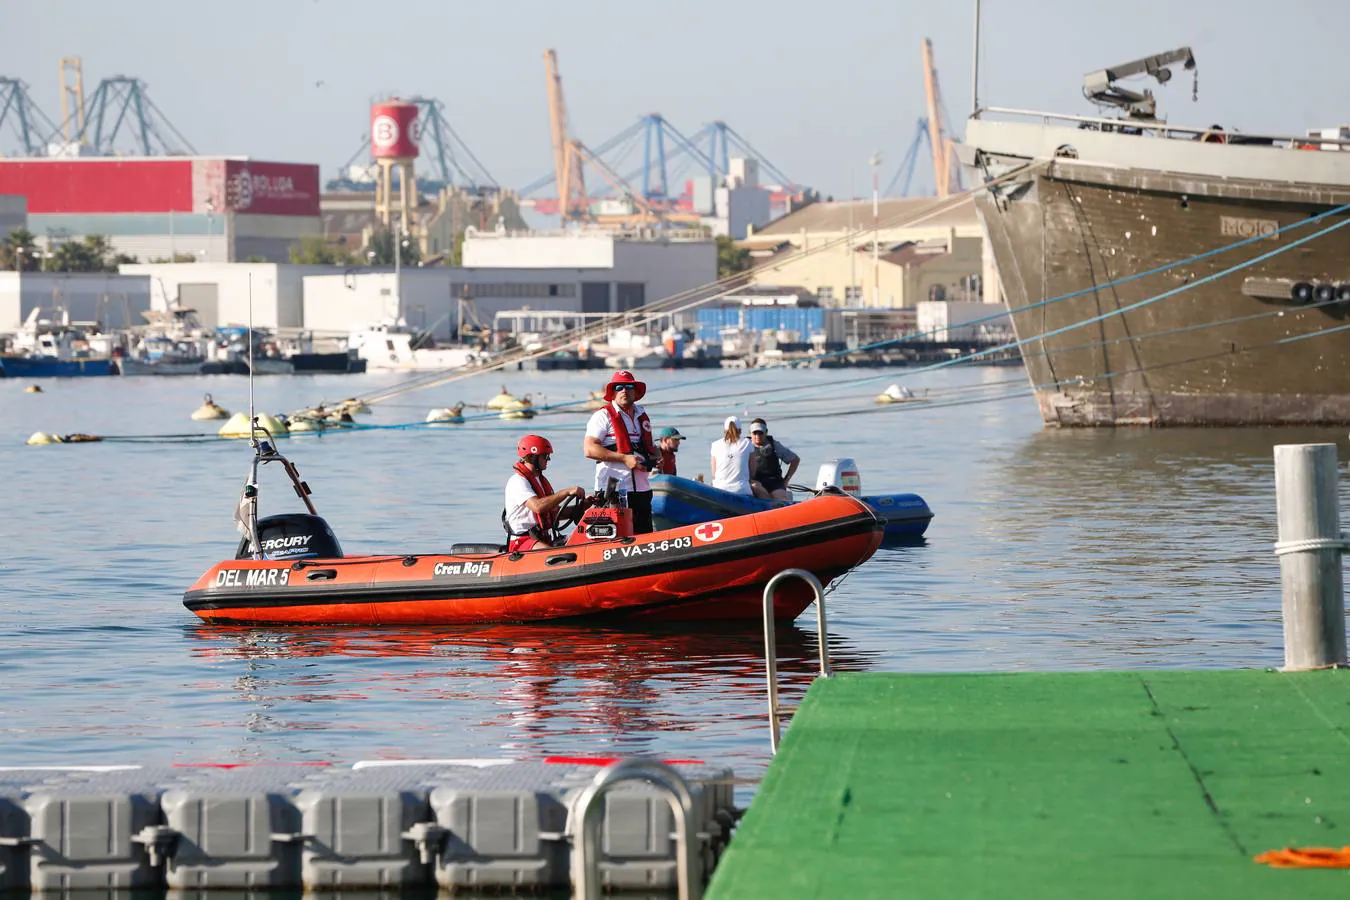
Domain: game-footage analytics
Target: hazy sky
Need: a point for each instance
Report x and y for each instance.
(816, 86)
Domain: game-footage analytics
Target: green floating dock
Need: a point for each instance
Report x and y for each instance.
(1102, 784)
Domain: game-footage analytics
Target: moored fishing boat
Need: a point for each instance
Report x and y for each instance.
(290, 569)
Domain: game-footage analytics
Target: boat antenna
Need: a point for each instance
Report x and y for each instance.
(975, 68)
(252, 419)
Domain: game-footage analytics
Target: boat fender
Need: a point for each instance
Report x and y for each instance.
(1343, 294)
(1325, 293)
(1302, 292)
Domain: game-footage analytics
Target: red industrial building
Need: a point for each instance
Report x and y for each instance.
(221, 209)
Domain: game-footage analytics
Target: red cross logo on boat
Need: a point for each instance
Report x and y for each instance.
(708, 531)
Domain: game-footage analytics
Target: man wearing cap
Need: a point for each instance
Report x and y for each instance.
(766, 464)
(619, 439)
(668, 441)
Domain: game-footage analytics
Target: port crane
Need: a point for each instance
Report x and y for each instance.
(570, 156)
(1100, 87)
(567, 170)
(946, 168)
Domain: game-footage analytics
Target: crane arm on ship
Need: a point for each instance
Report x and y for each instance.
(1100, 86)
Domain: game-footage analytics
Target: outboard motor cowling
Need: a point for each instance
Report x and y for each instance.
(840, 473)
(293, 536)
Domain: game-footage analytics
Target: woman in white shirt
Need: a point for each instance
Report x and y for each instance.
(731, 459)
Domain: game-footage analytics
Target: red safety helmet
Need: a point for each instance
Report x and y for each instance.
(533, 445)
(623, 376)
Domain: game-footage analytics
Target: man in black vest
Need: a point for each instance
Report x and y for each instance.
(767, 478)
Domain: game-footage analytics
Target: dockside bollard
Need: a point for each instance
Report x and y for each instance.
(1310, 545)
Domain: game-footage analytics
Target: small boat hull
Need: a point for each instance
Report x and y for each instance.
(681, 501)
(13, 366)
(162, 366)
(348, 363)
(713, 571)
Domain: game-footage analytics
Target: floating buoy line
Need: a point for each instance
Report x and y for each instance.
(504, 406)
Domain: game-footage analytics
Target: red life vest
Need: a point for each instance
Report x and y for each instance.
(623, 443)
(547, 519)
(667, 466)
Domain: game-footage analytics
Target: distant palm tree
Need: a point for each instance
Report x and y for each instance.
(19, 251)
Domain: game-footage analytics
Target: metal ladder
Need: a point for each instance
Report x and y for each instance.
(771, 642)
(587, 812)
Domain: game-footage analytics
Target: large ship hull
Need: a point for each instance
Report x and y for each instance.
(1077, 210)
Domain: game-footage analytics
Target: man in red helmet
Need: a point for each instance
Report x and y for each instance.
(531, 512)
(619, 439)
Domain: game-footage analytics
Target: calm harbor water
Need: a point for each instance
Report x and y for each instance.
(1049, 550)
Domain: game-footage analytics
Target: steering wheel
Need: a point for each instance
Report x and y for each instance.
(570, 510)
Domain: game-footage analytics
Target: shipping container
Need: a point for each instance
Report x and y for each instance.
(805, 321)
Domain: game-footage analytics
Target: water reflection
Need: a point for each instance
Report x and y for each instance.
(1146, 545)
(527, 687)
(1143, 456)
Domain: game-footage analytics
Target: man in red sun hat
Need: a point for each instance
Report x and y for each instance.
(619, 439)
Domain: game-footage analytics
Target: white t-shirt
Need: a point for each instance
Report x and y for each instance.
(518, 515)
(731, 465)
(599, 427)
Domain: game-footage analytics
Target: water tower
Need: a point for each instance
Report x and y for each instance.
(393, 144)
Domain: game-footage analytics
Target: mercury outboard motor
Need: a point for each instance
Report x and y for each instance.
(293, 536)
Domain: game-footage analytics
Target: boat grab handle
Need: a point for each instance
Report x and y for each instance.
(321, 575)
(584, 822)
(561, 558)
(771, 642)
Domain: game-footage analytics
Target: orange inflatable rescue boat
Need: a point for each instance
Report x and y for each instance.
(290, 569)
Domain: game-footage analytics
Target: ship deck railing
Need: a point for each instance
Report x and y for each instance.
(1161, 128)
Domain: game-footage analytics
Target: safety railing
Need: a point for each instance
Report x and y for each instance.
(771, 641)
(1161, 128)
(587, 816)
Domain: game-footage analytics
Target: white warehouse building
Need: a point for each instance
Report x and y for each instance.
(113, 301)
(573, 271)
(220, 292)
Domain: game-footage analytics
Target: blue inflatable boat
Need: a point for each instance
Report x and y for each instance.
(680, 501)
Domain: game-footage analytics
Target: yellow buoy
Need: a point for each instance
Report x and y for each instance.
(895, 394)
(504, 400)
(42, 437)
(238, 426)
(518, 409)
(447, 415)
(33, 389)
(353, 406)
(209, 410)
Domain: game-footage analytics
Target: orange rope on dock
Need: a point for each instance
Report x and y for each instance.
(1307, 858)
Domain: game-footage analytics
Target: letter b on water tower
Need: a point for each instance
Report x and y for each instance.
(394, 130)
